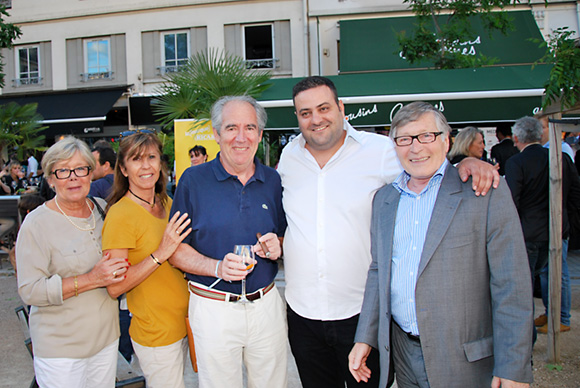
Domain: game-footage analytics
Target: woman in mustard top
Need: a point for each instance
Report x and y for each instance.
(137, 228)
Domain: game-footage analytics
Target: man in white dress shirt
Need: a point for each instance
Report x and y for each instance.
(330, 174)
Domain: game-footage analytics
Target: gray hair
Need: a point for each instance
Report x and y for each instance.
(413, 112)
(528, 130)
(463, 140)
(218, 108)
(64, 150)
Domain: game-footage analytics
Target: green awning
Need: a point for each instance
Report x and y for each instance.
(371, 44)
(491, 94)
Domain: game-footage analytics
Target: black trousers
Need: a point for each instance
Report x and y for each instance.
(321, 350)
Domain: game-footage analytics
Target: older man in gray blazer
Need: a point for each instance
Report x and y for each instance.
(448, 294)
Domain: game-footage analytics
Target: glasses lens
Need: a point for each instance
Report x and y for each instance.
(82, 171)
(403, 140)
(426, 137)
(62, 173)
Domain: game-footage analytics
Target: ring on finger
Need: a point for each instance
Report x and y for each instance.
(114, 274)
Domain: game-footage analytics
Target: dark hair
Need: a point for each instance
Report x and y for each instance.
(106, 154)
(504, 128)
(28, 203)
(313, 82)
(129, 147)
(198, 149)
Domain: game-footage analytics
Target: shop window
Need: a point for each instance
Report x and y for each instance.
(97, 54)
(259, 46)
(175, 51)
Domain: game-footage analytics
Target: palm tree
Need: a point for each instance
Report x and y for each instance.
(20, 129)
(190, 92)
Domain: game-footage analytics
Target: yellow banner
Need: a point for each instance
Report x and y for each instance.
(186, 137)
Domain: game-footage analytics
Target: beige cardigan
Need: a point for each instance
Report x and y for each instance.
(49, 248)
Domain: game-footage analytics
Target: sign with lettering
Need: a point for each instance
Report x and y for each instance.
(188, 135)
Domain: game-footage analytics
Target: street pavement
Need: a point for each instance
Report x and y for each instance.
(17, 370)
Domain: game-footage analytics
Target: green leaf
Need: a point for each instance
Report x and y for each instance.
(555, 367)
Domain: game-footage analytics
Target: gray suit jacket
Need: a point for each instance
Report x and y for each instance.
(473, 293)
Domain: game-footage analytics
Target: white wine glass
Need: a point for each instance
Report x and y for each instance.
(247, 255)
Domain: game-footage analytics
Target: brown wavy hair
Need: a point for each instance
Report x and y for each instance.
(129, 147)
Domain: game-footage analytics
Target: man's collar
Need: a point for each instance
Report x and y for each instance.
(403, 179)
(221, 174)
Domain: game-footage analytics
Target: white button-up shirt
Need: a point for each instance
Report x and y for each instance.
(327, 242)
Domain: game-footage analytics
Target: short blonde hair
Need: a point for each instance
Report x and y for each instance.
(64, 150)
(463, 140)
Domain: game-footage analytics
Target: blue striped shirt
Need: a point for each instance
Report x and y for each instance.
(413, 216)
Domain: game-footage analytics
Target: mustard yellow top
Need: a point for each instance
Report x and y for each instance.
(159, 304)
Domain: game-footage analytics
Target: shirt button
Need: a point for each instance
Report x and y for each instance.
(414, 248)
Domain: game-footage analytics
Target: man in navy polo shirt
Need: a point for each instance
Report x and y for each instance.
(230, 200)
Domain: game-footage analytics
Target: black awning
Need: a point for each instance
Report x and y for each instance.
(71, 112)
(141, 113)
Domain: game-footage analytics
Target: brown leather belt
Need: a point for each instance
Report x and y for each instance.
(228, 296)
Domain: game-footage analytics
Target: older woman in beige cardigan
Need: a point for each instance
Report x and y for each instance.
(63, 275)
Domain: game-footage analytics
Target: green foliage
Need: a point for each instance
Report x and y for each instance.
(8, 33)
(168, 141)
(190, 92)
(438, 39)
(554, 367)
(20, 129)
(563, 52)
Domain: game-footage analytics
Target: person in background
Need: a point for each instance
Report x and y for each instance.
(63, 275)
(468, 142)
(542, 321)
(27, 203)
(545, 141)
(104, 172)
(15, 179)
(527, 175)
(505, 149)
(448, 293)
(197, 155)
(32, 167)
(138, 228)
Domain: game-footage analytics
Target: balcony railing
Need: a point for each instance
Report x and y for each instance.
(270, 63)
(102, 75)
(169, 69)
(18, 82)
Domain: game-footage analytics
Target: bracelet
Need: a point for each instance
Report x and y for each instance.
(155, 259)
(76, 286)
(216, 268)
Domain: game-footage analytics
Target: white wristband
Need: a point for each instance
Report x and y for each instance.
(216, 268)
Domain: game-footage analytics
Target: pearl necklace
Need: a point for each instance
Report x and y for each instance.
(72, 222)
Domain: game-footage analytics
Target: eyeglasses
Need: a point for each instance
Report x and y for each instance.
(134, 131)
(423, 138)
(64, 173)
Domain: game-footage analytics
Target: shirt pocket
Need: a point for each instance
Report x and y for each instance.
(71, 258)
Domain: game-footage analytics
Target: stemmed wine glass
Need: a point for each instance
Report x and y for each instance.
(247, 254)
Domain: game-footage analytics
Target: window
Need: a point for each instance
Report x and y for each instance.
(97, 59)
(259, 46)
(6, 3)
(27, 66)
(175, 51)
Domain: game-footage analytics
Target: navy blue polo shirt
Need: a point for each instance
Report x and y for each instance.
(225, 213)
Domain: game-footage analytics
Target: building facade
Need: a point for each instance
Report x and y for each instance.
(95, 51)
